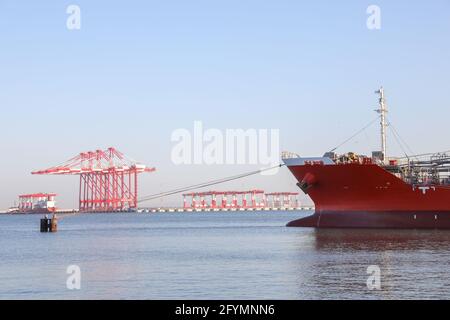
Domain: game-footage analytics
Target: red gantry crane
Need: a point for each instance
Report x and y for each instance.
(283, 199)
(108, 179)
(223, 203)
(240, 199)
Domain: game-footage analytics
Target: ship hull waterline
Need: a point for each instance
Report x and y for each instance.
(375, 220)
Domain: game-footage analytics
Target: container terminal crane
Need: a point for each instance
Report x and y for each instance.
(108, 179)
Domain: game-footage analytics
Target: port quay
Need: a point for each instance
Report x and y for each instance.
(185, 210)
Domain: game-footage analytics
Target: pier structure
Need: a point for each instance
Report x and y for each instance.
(283, 199)
(225, 199)
(36, 202)
(251, 199)
(108, 180)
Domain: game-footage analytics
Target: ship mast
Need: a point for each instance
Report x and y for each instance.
(382, 111)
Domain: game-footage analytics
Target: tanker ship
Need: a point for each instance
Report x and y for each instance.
(377, 191)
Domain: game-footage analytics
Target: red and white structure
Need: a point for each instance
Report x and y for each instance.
(225, 199)
(283, 199)
(252, 199)
(108, 179)
(37, 203)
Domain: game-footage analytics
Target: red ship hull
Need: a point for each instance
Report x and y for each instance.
(355, 195)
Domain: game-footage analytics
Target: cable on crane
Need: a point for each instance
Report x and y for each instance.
(400, 141)
(355, 134)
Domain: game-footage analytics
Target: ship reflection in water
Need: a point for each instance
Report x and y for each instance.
(381, 239)
(239, 255)
(412, 264)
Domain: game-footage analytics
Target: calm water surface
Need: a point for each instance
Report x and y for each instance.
(217, 256)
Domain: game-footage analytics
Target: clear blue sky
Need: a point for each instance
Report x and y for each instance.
(137, 70)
